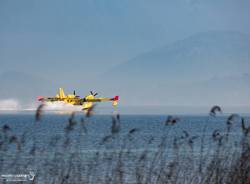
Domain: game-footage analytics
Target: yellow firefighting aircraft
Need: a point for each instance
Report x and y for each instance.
(86, 102)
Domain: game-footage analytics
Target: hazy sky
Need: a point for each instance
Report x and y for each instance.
(69, 41)
(38, 36)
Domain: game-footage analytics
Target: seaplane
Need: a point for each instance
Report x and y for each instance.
(87, 102)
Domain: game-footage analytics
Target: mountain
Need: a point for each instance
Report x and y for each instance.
(203, 55)
(165, 75)
(204, 69)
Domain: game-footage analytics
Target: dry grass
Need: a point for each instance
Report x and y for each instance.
(115, 160)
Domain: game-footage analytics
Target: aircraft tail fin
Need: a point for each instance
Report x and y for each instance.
(61, 93)
(115, 100)
(40, 98)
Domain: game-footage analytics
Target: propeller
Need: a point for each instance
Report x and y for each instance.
(91, 92)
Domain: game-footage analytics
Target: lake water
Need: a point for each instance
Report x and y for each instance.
(93, 135)
(99, 126)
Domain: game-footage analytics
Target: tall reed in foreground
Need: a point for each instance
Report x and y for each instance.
(173, 159)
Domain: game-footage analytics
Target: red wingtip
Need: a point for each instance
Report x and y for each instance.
(116, 98)
(40, 98)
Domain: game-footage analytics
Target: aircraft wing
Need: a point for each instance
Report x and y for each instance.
(115, 100)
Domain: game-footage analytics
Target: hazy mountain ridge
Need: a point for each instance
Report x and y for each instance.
(181, 72)
(212, 63)
(229, 51)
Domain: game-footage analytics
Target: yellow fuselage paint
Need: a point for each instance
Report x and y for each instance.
(86, 102)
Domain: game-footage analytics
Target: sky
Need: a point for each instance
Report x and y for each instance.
(71, 42)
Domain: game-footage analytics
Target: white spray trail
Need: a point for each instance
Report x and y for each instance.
(61, 106)
(9, 105)
(15, 105)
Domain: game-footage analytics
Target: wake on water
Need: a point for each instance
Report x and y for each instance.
(15, 105)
